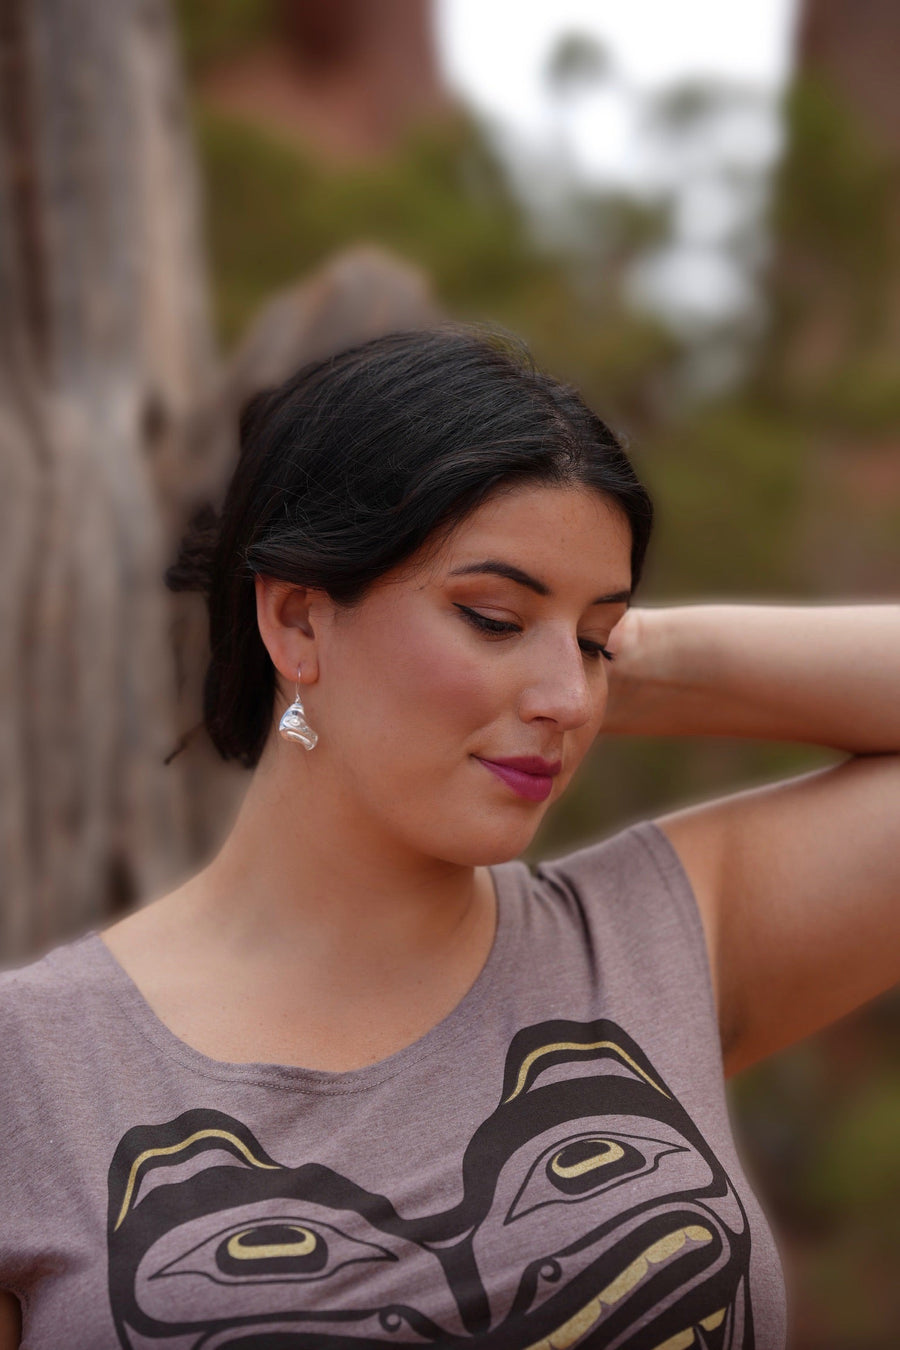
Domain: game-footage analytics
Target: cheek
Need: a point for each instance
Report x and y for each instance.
(440, 677)
(406, 687)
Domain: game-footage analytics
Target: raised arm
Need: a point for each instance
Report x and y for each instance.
(798, 882)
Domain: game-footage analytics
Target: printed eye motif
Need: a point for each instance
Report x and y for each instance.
(576, 1168)
(276, 1248)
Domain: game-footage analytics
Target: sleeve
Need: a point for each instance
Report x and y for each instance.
(642, 923)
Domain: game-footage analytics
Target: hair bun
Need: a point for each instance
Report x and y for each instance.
(192, 568)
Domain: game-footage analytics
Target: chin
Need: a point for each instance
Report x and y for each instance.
(488, 843)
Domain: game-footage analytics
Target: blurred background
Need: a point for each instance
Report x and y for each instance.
(691, 211)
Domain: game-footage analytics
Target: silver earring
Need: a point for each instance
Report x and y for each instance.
(294, 726)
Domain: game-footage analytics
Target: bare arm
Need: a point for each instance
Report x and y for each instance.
(798, 882)
(10, 1321)
(828, 675)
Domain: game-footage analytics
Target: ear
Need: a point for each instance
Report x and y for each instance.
(290, 620)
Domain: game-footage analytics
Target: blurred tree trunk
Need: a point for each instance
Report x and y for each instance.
(834, 288)
(836, 277)
(115, 421)
(853, 44)
(105, 343)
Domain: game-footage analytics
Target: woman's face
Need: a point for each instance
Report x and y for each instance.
(448, 665)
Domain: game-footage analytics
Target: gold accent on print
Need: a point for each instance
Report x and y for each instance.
(613, 1152)
(661, 1250)
(177, 1148)
(686, 1338)
(304, 1246)
(579, 1045)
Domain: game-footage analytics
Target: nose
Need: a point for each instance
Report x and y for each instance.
(560, 688)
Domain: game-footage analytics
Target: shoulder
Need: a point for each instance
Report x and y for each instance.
(39, 1001)
(633, 905)
(632, 889)
(45, 976)
(45, 1084)
(638, 859)
(54, 1020)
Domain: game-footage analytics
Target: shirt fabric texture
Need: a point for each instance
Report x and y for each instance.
(550, 1166)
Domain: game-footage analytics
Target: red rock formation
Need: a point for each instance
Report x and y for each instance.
(348, 77)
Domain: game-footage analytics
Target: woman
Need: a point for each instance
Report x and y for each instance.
(364, 1079)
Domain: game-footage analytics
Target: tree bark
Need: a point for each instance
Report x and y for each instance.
(115, 418)
(106, 341)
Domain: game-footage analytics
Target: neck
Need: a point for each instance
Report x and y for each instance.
(300, 872)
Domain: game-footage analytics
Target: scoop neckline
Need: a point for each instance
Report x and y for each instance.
(510, 879)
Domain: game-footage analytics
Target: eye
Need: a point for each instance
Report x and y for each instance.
(486, 625)
(577, 1168)
(595, 650)
(289, 1247)
(501, 627)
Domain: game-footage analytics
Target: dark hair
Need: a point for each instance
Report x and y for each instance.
(349, 467)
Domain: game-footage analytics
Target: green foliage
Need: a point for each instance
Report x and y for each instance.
(865, 395)
(836, 185)
(729, 481)
(859, 395)
(218, 30)
(819, 1126)
(858, 1162)
(275, 212)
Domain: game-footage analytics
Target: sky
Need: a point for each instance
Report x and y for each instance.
(495, 55)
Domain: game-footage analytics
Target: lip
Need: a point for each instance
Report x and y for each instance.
(529, 775)
(546, 768)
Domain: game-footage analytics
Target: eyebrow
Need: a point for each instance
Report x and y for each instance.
(496, 568)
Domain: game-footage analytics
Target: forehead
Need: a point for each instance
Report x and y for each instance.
(556, 533)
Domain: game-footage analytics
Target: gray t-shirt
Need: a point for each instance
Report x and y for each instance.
(550, 1166)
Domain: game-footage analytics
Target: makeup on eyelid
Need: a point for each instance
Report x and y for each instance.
(499, 627)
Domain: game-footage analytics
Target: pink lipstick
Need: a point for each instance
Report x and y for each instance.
(529, 776)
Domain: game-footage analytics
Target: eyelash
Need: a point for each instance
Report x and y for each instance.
(498, 626)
